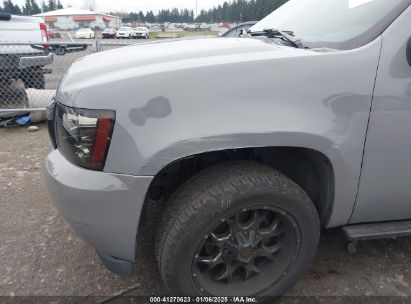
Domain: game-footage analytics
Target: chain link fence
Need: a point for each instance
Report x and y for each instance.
(31, 73)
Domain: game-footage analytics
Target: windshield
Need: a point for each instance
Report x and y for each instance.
(125, 28)
(339, 24)
(84, 30)
(141, 29)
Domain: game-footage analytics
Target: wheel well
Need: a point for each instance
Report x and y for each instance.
(310, 169)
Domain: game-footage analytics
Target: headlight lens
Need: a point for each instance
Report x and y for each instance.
(83, 136)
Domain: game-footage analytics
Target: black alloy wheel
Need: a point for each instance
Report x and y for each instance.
(249, 249)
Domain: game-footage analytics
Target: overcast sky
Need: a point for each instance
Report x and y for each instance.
(137, 5)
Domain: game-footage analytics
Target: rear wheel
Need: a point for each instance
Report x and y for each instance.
(236, 229)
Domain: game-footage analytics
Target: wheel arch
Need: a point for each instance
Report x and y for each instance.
(310, 169)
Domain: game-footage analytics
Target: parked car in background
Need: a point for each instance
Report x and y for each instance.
(54, 34)
(109, 33)
(141, 32)
(23, 62)
(205, 27)
(310, 129)
(238, 30)
(192, 27)
(84, 33)
(125, 32)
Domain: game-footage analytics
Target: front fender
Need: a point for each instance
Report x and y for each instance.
(297, 98)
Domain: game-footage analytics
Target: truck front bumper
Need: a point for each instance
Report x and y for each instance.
(102, 208)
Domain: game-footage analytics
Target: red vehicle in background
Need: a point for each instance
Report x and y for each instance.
(54, 34)
(109, 33)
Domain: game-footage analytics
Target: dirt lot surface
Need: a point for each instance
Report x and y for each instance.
(41, 255)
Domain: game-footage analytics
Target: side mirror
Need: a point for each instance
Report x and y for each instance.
(409, 51)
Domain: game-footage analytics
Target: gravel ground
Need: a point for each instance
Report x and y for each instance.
(41, 255)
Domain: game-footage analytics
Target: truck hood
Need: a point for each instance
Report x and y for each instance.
(166, 56)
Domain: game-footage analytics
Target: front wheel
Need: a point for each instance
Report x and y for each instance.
(236, 229)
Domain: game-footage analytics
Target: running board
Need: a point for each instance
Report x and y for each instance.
(385, 230)
(362, 232)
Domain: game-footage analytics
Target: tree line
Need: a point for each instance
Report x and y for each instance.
(30, 7)
(232, 11)
(165, 15)
(240, 11)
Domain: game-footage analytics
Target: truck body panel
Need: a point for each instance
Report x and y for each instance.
(164, 115)
(385, 188)
(20, 29)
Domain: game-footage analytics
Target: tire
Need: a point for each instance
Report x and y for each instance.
(208, 200)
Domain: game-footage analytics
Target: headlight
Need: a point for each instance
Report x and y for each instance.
(83, 136)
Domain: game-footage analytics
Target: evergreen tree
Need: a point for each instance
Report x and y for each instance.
(141, 17)
(59, 5)
(11, 8)
(44, 7)
(31, 8)
(35, 8)
(150, 17)
(17, 10)
(51, 5)
(27, 8)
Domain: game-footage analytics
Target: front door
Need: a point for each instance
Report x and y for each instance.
(385, 183)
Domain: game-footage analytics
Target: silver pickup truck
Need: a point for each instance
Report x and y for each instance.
(236, 152)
